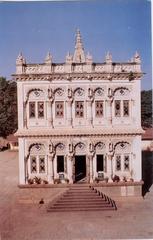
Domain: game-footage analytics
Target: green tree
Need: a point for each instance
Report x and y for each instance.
(146, 109)
(8, 107)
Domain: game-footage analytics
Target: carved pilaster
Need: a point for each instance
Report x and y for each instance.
(109, 111)
(51, 168)
(89, 112)
(90, 159)
(70, 168)
(25, 114)
(69, 112)
(110, 166)
(50, 113)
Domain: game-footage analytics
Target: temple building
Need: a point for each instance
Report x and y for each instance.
(79, 120)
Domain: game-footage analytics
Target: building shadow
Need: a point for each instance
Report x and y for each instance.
(147, 171)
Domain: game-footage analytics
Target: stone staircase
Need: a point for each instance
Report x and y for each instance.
(82, 198)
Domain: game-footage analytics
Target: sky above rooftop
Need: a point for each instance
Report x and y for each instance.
(119, 26)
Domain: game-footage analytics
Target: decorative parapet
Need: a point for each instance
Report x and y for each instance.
(79, 68)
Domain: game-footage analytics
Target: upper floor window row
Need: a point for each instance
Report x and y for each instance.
(121, 109)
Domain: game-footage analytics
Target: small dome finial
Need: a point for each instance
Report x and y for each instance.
(69, 58)
(137, 58)
(48, 58)
(88, 58)
(20, 59)
(108, 57)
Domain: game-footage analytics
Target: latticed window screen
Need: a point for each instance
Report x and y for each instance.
(40, 109)
(118, 162)
(41, 164)
(33, 165)
(99, 108)
(79, 109)
(32, 113)
(117, 108)
(125, 108)
(59, 109)
(126, 163)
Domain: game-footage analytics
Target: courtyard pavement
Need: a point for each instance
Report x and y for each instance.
(21, 217)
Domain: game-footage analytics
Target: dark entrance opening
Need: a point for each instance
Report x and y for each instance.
(80, 167)
(100, 163)
(60, 164)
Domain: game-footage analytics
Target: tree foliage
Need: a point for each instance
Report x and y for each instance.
(146, 109)
(8, 107)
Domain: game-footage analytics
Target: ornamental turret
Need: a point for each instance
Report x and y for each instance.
(69, 58)
(137, 58)
(88, 58)
(48, 62)
(20, 64)
(108, 58)
(48, 59)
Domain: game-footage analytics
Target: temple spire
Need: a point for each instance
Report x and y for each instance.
(79, 56)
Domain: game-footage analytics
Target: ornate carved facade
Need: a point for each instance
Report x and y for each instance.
(80, 119)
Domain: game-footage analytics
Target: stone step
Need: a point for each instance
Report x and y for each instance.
(80, 189)
(81, 200)
(82, 194)
(79, 193)
(82, 204)
(79, 209)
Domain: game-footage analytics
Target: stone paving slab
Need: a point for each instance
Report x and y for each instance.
(22, 218)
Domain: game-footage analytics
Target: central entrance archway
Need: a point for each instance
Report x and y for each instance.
(80, 167)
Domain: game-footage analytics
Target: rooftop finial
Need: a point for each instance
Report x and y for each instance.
(137, 58)
(48, 58)
(69, 58)
(20, 59)
(108, 58)
(79, 56)
(88, 58)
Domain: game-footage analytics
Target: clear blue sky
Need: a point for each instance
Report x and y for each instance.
(120, 26)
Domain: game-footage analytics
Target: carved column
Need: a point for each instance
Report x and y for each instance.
(70, 167)
(69, 112)
(25, 114)
(110, 166)
(89, 112)
(90, 157)
(109, 111)
(88, 169)
(49, 113)
(51, 169)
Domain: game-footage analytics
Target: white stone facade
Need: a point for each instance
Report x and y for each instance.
(79, 108)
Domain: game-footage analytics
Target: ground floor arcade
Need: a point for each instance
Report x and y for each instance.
(79, 158)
